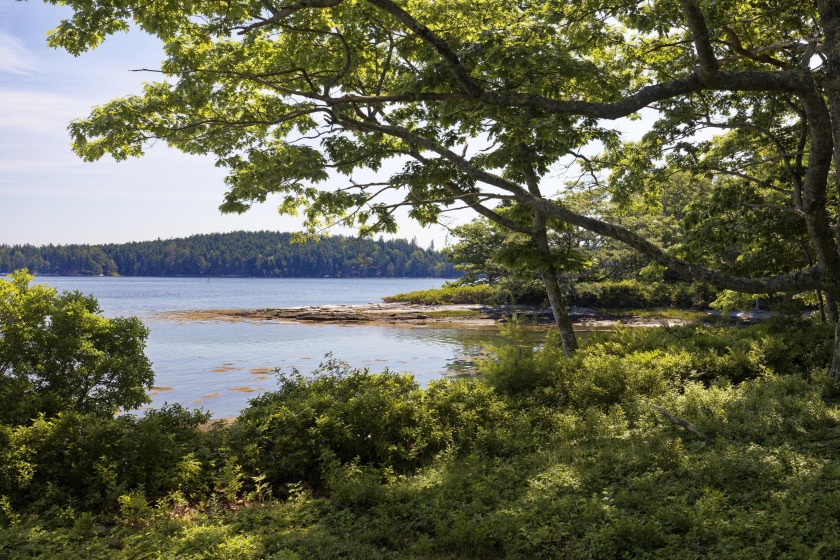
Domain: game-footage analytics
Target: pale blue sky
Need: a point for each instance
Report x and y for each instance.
(47, 195)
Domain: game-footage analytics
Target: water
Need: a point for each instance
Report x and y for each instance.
(141, 296)
(219, 365)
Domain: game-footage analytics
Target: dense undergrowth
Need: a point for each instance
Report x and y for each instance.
(449, 294)
(609, 294)
(543, 457)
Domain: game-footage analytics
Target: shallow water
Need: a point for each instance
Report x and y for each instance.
(219, 365)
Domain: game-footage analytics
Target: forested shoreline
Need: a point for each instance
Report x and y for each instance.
(254, 254)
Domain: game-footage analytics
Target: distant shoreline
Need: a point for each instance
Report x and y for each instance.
(221, 277)
(239, 254)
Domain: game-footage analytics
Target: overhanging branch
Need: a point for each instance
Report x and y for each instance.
(805, 280)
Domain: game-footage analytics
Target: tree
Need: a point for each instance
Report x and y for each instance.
(490, 253)
(481, 102)
(57, 353)
(475, 251)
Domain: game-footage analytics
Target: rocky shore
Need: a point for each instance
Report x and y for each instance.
(418, 315)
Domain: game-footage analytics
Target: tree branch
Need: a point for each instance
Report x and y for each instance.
(709, 64)
(446, 52)
(279, 14)
(805, 280)
(681, 423)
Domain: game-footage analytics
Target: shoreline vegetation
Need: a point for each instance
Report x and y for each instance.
(648, 443)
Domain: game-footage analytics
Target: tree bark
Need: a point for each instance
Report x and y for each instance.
(831, 307)
(829, 11)
(558, 298)
(834, 372)
(821, 305)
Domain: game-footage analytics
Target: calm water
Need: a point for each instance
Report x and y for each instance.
(219, 365)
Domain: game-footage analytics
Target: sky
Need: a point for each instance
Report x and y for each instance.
(48, 195)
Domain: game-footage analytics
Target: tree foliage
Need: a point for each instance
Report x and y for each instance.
(468, 104)
(486, 252)
(57, 353)
(474, 252)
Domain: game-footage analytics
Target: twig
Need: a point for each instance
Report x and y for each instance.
(681, 423)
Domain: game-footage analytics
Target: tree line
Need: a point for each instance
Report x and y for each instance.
(258, 254)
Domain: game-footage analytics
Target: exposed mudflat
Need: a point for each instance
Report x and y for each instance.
(416, 315)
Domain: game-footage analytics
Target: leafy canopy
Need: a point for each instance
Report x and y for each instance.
(351, 109)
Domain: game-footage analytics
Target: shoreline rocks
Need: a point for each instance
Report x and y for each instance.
(415, 315)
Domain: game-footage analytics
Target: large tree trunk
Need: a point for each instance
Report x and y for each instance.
(831, 307)
(821, 305)
(558, 298)
(834, 372)
(830, 17)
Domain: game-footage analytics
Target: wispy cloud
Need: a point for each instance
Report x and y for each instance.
(14, 58)
(39, 112)
(20, 165)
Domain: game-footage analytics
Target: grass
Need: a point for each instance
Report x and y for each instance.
(445, 313)
(480, 294)
(690, 315)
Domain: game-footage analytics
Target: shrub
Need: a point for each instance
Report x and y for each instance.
(612, 368)
(58, 354)
(91, 461)
(352, 484)
(610, 294)
(470, 414)
(512, 290)
(578, 466)
(789, 346)
(514, 366)
(478, 294)
(340, 413)
(618, 294)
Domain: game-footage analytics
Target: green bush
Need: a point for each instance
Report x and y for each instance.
(355, 485)
(782, 346)
(477, 294)
(290, 434)
(514, 366)
(552, 457)
(89, 462)
(608, 294)
(512, 290)
(58, 354)
(469, 415)
(612, 368)
(635, 294)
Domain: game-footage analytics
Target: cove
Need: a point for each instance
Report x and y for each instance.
(219, 365)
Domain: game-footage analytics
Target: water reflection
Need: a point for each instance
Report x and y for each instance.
(234, 361)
